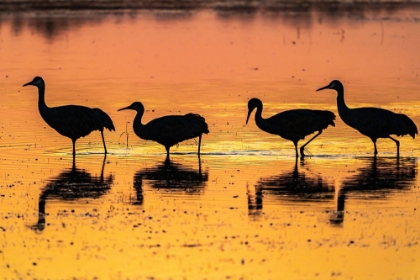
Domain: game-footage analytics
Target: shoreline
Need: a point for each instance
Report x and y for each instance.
(238, 6)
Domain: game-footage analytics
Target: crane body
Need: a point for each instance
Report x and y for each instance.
(72, 121)
(293, 125)
(373, 122)
(168, 130)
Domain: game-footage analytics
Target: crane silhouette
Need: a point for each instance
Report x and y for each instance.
(168, 130)
(72, 121)
(292, 125)
(373, 122)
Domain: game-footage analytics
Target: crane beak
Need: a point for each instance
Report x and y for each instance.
(323, 88)
(125, 108)
(28, 84)
(247, 118)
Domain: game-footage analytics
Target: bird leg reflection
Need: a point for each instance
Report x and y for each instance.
(337, 217)
(255, 200)
(40, 224)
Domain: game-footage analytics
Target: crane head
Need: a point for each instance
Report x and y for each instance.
(337, 85)
(37, 81)
(136, 106)
(252, 104)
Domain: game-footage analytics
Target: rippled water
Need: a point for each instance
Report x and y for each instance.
(243, 209)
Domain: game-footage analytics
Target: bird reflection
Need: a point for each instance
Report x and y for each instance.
(375, 180)
(171, 176)
(70, 185)
(297, 185)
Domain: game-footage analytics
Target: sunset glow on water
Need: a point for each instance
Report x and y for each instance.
(244, 209)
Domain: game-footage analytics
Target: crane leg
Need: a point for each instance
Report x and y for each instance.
(74, 152)
(310, 140)
(398, 145)
(103, 141)
(167, 151)
(74, 147)
(199, 144)
(296, 151)
(374, 145)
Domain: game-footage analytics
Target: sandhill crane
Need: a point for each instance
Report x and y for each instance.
(292, 125)
(168, 130)
(72, 121)
(373, 122)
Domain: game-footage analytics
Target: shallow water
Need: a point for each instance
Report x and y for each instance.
(245, 208)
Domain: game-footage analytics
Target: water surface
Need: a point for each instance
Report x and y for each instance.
(245, 208)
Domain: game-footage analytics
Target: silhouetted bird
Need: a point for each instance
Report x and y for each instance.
(72, 121)
(292, 125)
(168, 130)
(373, 122)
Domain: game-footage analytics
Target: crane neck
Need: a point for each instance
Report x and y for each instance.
(41, 99)
(137, 124)
(341, 104)
(258, 116)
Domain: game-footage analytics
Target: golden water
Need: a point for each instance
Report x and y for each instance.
(244, 209)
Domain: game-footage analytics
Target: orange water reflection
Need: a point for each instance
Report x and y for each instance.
(215, 65)
(242, 210)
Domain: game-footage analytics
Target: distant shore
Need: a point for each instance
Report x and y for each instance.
(250, 6)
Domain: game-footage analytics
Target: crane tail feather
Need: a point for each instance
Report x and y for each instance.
(328, 116)
(406, 126)
(103, 120)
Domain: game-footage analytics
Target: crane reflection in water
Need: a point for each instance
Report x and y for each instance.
(298, 185)
(170, 176)
(377, 179)
(72, 184)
